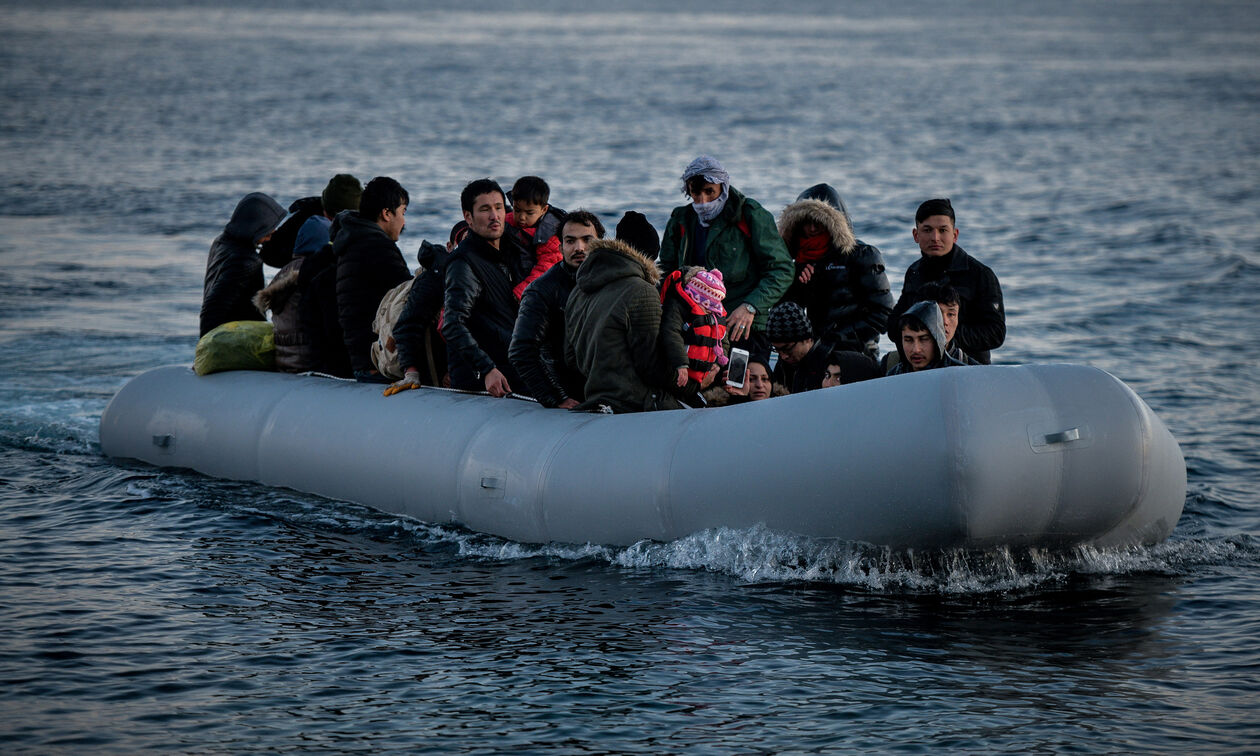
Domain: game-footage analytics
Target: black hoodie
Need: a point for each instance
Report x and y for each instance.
(234, 270)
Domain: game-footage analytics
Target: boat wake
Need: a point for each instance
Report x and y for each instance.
(762, 556)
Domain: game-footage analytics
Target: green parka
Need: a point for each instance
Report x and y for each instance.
(755, 264)
(612, 322)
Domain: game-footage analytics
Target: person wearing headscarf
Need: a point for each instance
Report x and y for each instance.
(724, 230)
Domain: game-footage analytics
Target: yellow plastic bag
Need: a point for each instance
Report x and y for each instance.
(239, 345)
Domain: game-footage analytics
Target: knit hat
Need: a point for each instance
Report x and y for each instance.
(787, 322)
(342, 193)
(634, 229)
(707, 289)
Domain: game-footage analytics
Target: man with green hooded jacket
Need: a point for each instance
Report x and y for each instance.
(611, 322)
(723, 229)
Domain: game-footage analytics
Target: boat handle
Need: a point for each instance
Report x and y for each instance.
(491, 483)
(1062, 437)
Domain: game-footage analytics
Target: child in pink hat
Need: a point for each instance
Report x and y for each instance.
(691, 325)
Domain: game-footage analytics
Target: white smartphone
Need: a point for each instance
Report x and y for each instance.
(737, 368)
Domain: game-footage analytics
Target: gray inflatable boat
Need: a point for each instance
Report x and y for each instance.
(1045, 455)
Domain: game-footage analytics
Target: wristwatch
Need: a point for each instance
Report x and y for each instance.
(749, 307)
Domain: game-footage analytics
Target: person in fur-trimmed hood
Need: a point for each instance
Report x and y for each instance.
(840, 280)
(612, 326)
(922, 342)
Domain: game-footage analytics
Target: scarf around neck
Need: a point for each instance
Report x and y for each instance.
(812, 248)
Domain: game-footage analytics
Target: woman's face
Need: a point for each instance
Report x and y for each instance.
(758, 382)
(706, 193)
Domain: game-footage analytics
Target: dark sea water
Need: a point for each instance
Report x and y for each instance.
(1103, 159)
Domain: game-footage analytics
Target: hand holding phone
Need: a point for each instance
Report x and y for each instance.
(737, 368)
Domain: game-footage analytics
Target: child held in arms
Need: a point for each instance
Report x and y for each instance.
(692, 328)
(536, 225)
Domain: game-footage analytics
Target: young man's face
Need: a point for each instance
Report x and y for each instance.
(393, 221)
(575, 241)
(832, 378)
(949, 313)
(706, 193)
(758, 381)
(935, 235)
(486, 218)
(793, 352)
(919, 346)
(527, 214)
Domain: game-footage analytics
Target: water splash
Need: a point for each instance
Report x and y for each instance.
(759, 555)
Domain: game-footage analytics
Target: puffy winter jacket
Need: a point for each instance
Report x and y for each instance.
(847, 296)
(368, 265)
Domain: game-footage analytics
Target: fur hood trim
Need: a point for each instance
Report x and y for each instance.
(836, 224)
(278, 291)
(617, 247)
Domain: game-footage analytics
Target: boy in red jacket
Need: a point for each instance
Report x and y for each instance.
(536, 226)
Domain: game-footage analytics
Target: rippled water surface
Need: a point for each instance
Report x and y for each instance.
(1102, 158)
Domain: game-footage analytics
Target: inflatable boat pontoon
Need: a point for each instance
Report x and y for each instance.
(962, 457)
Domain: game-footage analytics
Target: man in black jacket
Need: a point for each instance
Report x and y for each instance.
(537, 350)
(480, 309)
(368, 265)
(981, 317)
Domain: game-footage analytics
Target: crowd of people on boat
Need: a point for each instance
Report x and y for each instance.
(726, 305)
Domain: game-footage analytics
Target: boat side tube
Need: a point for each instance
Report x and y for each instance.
(958, 457)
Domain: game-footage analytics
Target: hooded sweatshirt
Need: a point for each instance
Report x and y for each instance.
(233, 269)
(930, 314)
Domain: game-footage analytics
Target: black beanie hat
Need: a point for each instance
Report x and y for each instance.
(342, 193)
(634, 229)
(934, 207)
(788, 322)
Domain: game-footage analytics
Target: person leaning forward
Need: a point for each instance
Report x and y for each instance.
(234, 272)
(723, 229)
